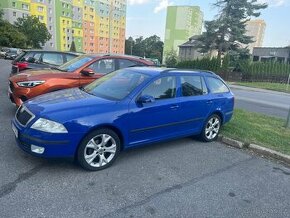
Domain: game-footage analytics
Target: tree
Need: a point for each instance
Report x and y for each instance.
(228, 31)
(151, 47)
(171, 58)
(35, 31)
(73, 47)
(9, 35)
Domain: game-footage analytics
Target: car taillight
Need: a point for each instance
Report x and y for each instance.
(22, 65)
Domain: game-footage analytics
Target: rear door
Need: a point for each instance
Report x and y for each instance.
(100, 68)
(124, 63)
(195, 102)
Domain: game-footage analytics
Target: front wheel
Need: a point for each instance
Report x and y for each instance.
(98, 150)
(211, 128)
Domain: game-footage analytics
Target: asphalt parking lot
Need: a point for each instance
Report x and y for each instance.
(182, 178)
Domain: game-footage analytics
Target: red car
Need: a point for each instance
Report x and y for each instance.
(75, 73)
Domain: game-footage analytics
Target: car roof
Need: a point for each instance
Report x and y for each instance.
(51, 51)
(155, 71)
(116, 55)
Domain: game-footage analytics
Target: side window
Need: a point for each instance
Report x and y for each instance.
(193, 85)
(124, 63)
(216, 85)
(103, 66)
(52, 58)
(37, 56)
(162, 88)
(70, 57)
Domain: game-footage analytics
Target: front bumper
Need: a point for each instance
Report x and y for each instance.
(55, 145)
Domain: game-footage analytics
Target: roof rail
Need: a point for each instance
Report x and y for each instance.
(177, 69)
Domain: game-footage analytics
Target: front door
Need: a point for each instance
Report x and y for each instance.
(100, 68)
(153, 121)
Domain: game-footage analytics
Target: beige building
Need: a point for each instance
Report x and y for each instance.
(256, 29)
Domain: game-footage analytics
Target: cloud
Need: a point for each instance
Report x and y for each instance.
(163, 4)
(139, 2)
(274, 3)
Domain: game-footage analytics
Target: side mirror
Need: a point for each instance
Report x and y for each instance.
(146, 99)
(31, 60)
(87, 72)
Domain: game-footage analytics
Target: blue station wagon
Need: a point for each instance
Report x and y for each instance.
(124, 109)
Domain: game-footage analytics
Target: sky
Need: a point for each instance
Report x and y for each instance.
(148, 17)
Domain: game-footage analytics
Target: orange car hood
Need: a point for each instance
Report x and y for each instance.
(34, 74)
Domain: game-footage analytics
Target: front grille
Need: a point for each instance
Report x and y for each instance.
(11, 86)
(24, 116)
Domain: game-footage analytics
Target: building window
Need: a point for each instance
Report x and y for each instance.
(50, 19)
(14, 13)
(40, 9)
(51, 44)
(50, 10)
(25, 7)
(24, 15)
(40, 17)
(49, 1)
(13, 4)
(50, 27)
(40, 1)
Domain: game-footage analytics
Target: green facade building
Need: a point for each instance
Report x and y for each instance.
(182, 22)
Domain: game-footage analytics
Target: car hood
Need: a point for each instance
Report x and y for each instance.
(68, 104)
(34, 74)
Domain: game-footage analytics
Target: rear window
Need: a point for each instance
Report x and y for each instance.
(52, 58)
(70, 57)
(215, 85)
(192, 86)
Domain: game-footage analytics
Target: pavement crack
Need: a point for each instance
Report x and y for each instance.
(11, 186)
(176, 187)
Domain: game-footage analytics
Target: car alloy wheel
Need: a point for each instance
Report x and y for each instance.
(211, 128)
(99, 149)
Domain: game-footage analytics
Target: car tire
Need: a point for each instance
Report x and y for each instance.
(99, 149)
(211, 128)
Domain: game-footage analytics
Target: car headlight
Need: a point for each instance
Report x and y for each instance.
(30, 83)
(48, 126)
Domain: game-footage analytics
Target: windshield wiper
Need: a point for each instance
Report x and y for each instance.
(56, 68)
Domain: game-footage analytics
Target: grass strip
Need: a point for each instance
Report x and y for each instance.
(259, 129)
(280, 87)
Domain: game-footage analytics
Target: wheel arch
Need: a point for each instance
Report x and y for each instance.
(105, 126)
(220, 114)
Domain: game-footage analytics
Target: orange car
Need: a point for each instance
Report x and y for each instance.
(75, 73)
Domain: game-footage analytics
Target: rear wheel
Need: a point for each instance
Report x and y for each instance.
(98, 150)
(211, 129)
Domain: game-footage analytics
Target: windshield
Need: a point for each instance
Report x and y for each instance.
(116, 85)
(75, 63)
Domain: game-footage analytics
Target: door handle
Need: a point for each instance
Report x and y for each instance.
(174, 107)
(209, 102)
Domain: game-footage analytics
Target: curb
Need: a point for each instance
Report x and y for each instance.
(232, 142)
(256, 148)
(270, 152)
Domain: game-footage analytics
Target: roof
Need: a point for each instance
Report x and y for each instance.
(192, 42)
(155, 71)
(48, 51)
